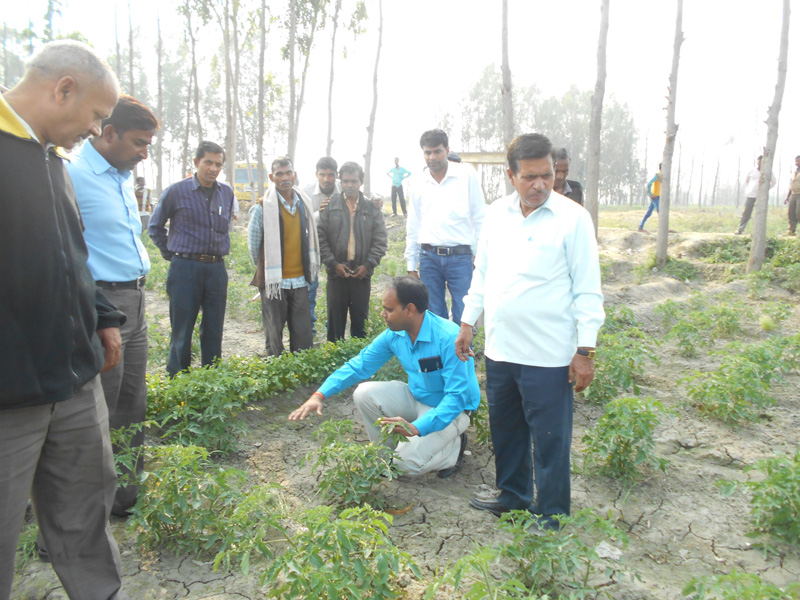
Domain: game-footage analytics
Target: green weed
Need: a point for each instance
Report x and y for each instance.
(738, 586)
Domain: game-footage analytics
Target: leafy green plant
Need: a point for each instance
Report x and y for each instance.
(349, 557)
(620, 364)
(188, 505)
(727, 250)
(735, 392)
(622, 439)
(774, 497)
(546, 563)
(480, 421)
(351, 473)
(26, 546)
(678, 268)
(738, 586)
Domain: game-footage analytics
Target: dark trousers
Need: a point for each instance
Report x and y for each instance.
(290, 307)
(749, 203)
(794, 212)
(192, 286)
(531, 404)
(397, 192)
(124, 386)
(347, 294)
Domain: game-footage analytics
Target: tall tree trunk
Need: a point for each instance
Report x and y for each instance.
(236, 107)
(700, 193)
(131, 85)
(160, 108)
(185, 161)
(260, 141)
(371, 127)
(593, 158)
(759, 246)
(230, 110)
(329, 144)
(669, 146)
(292, 83)
(716, 183)
(508, 98)
(196, 85)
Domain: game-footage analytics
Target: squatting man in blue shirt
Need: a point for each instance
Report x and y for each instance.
(431, 410)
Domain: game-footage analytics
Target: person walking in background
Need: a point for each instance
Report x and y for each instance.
(352, 241)
(445, 215)
(561, 185)
(320, 193)
(101, 174)
(199, 210)
(398, 174)
(654, 192)
(751, 191)
(793, 198)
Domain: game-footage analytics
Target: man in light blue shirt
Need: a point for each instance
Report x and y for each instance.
(103, 181)
(398, 174)
(432, 408)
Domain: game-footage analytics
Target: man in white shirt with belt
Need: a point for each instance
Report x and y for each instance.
(537, 277)
(445, 215)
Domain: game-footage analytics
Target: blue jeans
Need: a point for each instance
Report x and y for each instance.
(312, 301)
(531, 404)
(436, 271)
(193, 285)
(653, 206)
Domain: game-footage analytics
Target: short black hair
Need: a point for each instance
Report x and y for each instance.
(561, 154)
(528, 146)
(281, 161)
(129, 114)
(760, 156)
(206, 147)
(327, 162)
(352, 167)
(410, 290)
(433, 138)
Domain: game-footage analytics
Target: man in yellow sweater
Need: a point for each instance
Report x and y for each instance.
(282, 239)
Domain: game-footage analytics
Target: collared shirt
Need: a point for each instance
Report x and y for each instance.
(316, 195)
(449, 213)
(398, 174)
(751, 183)
(111, 215)
(535, 277)
(447, 384)
(197, 225)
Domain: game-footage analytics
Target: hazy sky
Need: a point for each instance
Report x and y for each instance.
(434, 50)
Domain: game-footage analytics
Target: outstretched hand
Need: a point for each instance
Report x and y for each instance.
(313, 404)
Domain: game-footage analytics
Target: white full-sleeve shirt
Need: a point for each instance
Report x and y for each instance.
(751, 183)
(537, 278)
(446, 213)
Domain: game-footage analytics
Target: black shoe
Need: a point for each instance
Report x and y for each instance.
(450, 470)
(495, 507)
(41, 551)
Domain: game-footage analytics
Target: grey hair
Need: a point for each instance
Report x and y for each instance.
(64, 58)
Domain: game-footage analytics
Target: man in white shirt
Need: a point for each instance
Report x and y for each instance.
(320, 193)
(445, 215)
(750, 192)
(537, 276)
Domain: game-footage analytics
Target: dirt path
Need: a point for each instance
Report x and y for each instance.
(679, 524)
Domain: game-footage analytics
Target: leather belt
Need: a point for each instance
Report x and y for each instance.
(136, 284)
(447, 250)
(203, 258)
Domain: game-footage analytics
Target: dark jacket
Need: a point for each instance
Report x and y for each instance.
(576, 193)
(334, 234)
(49, 304)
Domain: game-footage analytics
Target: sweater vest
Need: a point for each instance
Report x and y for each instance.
(292, 245)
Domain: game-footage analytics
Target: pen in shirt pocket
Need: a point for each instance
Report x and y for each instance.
(220, 211)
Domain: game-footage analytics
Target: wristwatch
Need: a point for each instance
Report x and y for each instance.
(587, 353)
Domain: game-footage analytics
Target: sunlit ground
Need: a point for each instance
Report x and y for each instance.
(719, 219)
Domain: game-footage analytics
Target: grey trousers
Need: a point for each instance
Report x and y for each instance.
(60, 455)
(749, 203)
(124, 386)
(291, 307)
(420, 454)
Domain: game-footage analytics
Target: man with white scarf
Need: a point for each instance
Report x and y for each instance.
(283, 244)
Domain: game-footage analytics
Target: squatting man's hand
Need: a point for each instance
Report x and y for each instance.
(112, 343)
(313, 404)
(402, 426)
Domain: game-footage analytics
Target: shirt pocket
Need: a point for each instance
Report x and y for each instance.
(220, 223)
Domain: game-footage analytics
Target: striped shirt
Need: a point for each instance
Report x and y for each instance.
(197, 225)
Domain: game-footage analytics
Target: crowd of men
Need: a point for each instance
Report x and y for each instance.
(72, 307)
